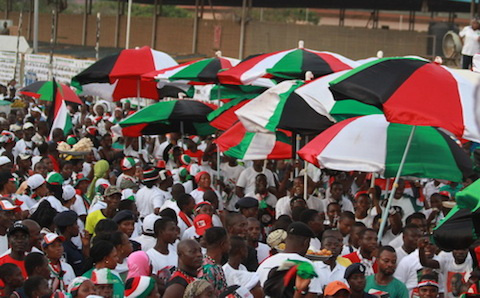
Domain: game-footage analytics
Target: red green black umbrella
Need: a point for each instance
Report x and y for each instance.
(44, 90)
(413, 91)
(184, 116)
(200, 71)
(119, 76)
(288, 64)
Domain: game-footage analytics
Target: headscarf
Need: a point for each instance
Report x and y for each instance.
(199, 175)
(99, 170)
(196, 288)
(138, 264)
(141, 287)
(76, 283)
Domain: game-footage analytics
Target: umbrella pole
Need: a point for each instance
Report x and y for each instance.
(305, 176)
(297, 147)
(138, 103)
(383, 223)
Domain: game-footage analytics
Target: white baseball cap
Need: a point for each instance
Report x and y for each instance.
(149, 223)
(4, 160)
(68, 192)
(35, 181)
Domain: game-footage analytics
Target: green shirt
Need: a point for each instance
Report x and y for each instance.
(395, 289)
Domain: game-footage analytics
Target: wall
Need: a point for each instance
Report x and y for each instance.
(175, 36)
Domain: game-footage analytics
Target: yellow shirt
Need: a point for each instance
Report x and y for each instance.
(92, 220)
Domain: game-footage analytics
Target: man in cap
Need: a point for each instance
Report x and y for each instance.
(383, 281)
(7, 143)
(201, 223)
(248, 206)
(24, 165)
(67, 225)
(165, 182)
(5, 163)
(355, 276)
(18, 239)
(296, 246)
(112, 197)
(146, 195)
(428, 286)
(25, 145)
(128, 165)
(147, 239)
(7, 217)
(336, 289)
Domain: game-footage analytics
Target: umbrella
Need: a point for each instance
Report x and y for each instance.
(413, 91)
(184, 116)
(294, 109)
(119, 76)
(461, 227)
(224, 117)
(203, 71)
(238, 143)
(371, 144)
(44, 90)
(288, 64)
(279, 107)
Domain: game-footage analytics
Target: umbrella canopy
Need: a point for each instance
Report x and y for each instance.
(238, 143)
(371, 144)
(280, 108)
(119, 76)
(461, 227)
(45, 90)
(288, 64)
(224, 117)
(203, 71)
(413, 91)
(185, 116)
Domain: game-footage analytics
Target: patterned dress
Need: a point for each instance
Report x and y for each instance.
(213, 273)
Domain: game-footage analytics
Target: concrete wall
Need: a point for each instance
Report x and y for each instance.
(175, 36)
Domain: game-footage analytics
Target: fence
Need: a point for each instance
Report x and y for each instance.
(32, 68)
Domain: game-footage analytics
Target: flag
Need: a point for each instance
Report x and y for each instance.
(58, 116)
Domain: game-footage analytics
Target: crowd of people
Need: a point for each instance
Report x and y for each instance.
(159, 217)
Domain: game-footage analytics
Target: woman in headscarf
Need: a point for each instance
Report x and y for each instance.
(199, 288)
(139, 264)
(81, 287)
(99, 182)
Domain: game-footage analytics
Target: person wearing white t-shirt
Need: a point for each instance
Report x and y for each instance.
(471, 42)
(231, 170)
(253, 238)
(147, 239)
(246, 180)
(407, 270)
(165, 182)
(7, 217)
(163, 255)
(283, 204)
(149, 193)
(453, 266)
(411, 234)
(236, 273)
(330, 270)
(296, 246)
(335, 195)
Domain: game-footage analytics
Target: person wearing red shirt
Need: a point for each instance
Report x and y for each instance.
(366, 252)
(18, 239)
